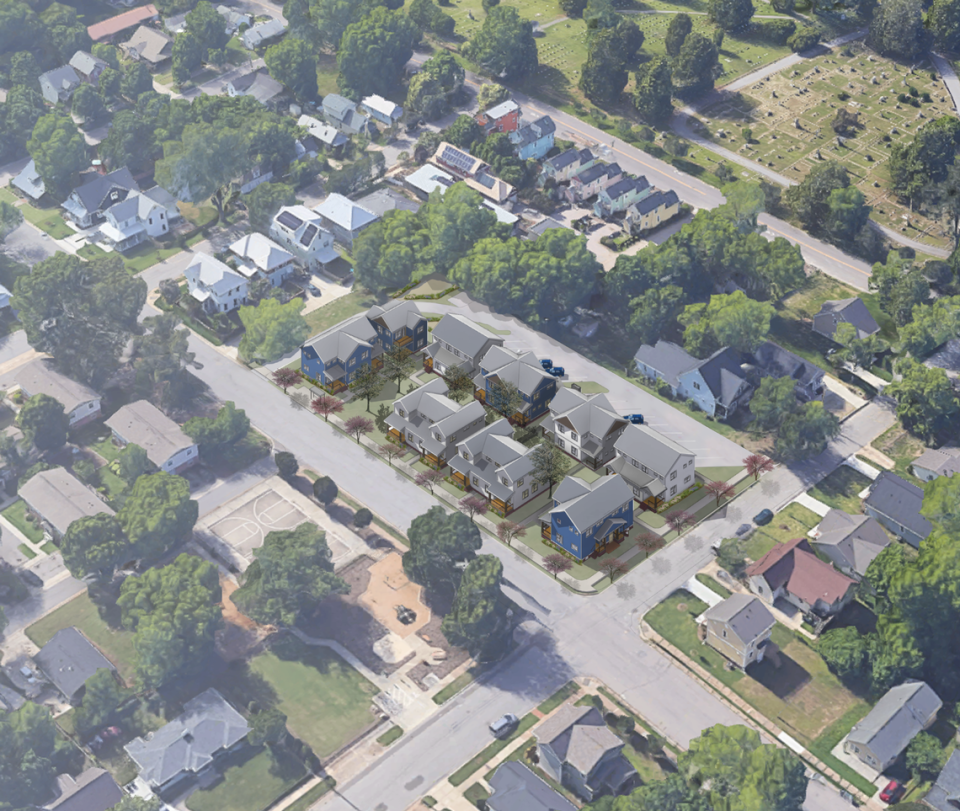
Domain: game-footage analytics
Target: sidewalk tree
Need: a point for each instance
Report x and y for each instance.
(549, 465)
(774, 399)
(286, 377)
(362, 518)
(505, 397)
(509, 531)
(59, 152)
(213, 434)
(557, 564)
(807, 431)
(808, 200)
(390, 451)
(429, 479)
(358, 426)
(161, 357)
(756, 464)
(367, 383)
(272, 329)
(398, 364)
(380, 420)
(186, 56)
(653, 91)
(847, 213)
(95, 545)
(679, 520)
(158, 514)
(440, 80)
(478, 619)
(613, 568)
(291, 575)
(649, 542)
(440, 543)
(374, 50)
(504, 45)
(325, 491)
(293, 63)
(136, 79)
(720, 490)
(325, 405)
(287, 465)
(474, 505)
(43, 422)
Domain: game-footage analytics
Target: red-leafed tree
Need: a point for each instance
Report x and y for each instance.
(473, 505)
(680, 520)
(325, 405)
(285, 378)
(648, 542)
(720, 489)
(613, 568)
(756, 464)
(508, 531)
(557, 564)
(358, 426)
(429, 479)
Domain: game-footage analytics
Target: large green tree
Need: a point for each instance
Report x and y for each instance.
(431, 91)
(33, 752)
(695, 67)
(731, 15)
(272, 329)
(158, 514)
(455, 222)
(213, 434)
(160, 360)
(943, 20)
(386, 254)
(809, 199)
(186, 56)
(98, 707)
(59, 152)
(95, 545)
(374, 50)
(292, 63)
(604, 75)
(678, 30)
(773, 401)
(732, 320)
(86, 104)
(897, 29)
(265, 201)
(137, 79)
(806, 431)
(654, 310)
(206, 24)
(43, 422)
(845, 651)
(653, 91)
(440, 543)
(504, 45)
(927, 403)
(478, 620)
(847, 213)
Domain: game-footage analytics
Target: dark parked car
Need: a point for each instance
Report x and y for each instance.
(556, 371)
(763, 517)
(893, 792)
(504, 725)
(31, 578)
(313, 289)
(742, 530)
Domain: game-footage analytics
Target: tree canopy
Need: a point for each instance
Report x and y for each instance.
(653, 91)
(374, 50)
(59, 152)
(439, 543)
(806, 431)
(33, 751)
(272, 329)
(732, 320)
(927, 403)
(478, 620)
(504, 45)
(227, 428)
(292, 63)
(157, 514)
(95, 545)
(433, 88)
(43, 422)
(896, 28)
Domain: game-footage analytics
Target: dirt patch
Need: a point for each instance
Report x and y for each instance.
(433, 635)
(240, 636)
(389, 587)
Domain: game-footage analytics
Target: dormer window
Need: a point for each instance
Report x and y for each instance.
(465, 455)
(401, 412)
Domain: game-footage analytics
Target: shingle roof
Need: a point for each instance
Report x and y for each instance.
(85, 62)
(653, 449)
(516, 788)
(144, 424)
(858, 539)
(64, 77)
(778, 362)
(523, 370)
(258, 84)
(945, 794)
(586, 503)
(464, 334)
(325, 133)
(429, 178)
(653, 201)
(213, 274)
(93, 790)
(344, 212)
(795, 566)
(94, 193)
(262, 31)
(495, 442)
(564, 159)
(336, 105)
(383, 106)
(852, 311)
(636, 477)
(39, 377)
(339, 342)
(943, 462)
(61, 499)
(262, 251)
(626, 185)
(579, 736)
(667, 358)
(723, 376)
(534, 131)
(383, 201)
(69, 659)
(585, 413)
(899, 500)
(121, 22)
(396, 314)
(896, 719)
(150, 44)
(190, 741)
(744, 614)
(598, 170)
(29, 181)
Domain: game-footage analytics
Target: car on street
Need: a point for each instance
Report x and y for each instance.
(763, 517)
(635, 419)
(504, 725)
(893, 792)
(31, 578)
(742, 530)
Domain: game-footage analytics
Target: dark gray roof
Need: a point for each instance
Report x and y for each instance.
(579, 736)
(904, 711)
(943, 462)
(190, 741)
(945, 794)
(899, 500)
(587, 503)
(852, 311)
(258, 84)
(643, 443)
(69, 659)
(543, 226)
(92, 790)
(857, 539)
(384, 200)
(667, 358)
(527, 134)
(598, 170)
(775, 361)
(523, 370)
(723, 375)
(635, 477)
(464, 334)
(336, 105)
(516, 788)
(61, 498)
(653, 201)
(93, 194)
(744, 614)
(564, 159)
(585, 413)
(625, 186)
(396, 314)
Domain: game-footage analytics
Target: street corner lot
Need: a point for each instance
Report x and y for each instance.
(390, 587)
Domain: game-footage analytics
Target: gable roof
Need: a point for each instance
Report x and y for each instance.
(625, 186)
(323, 132)
(523, 370)
(722, 374)
(667, 358)
(258, 84)
(93, 193)
(534, 131)
(943, 462)
(39, 377)
(597, 170)
(585, 413)
(744, 614)
(341, 341)
(857, 538)
(579, 736)
(61, 499)
(336, 105)
(211, 273)
(69, 659)
(382, 201)
(653, 449)
(121, 22)
(261, 251)
(61, 78)
(85, 62)
(29, 181)
(496, 443)
(92, 790)
(778, 362)
(150, 44)
(945, 793)
(899, 500)
(586, 503)
(564, 159)
(464, 334)
(262, 31)
(143, 424)
(383, 106)
(896, 719)
(653, 201)
(516, 788)
(344, 212)
(396, 314)
(851, 311)
(190, 741)
(794, 565)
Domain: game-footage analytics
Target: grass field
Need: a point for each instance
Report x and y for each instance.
(16, 514)
(146, 255)
(326, 701)
(840, 489)
(253, 779)
(794, 521)
(903, 448)
(356, 301)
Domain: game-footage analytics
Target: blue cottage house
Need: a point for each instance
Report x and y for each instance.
(588, 518)
(537, 388)
(533, 141)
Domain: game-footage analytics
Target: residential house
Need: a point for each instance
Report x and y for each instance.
(68, 660)
(301, 232)
(429, 178)
(516, 788)
(458, 341)
(88, 203)
(491, 187)
(474, 172)
(494, 464)
(652, 211)
(896, 504)
(399, 323)
(945, 794)
(344, 218)
(57, 85)
(771, 360)
(218, 287)
(738, 629)
(344, 115)
(590, 181)
(504, 117)
(615, 198)
(175, 23)
(500, 366)
(578, 751)
(167, 446)
(326, 134)
(589, 518)
(564, 166)
(850, 542)
(585, 426)
(150, 46)
(29, 181)
(254, 177)
(534, 140)
(107, 30)
(793, 572)
(259, 257)
(845, 311)
(263, 32)
(432, 424)
(87, 66)
(334, 357)
(233, 19)
(931, 464)
(546, 224)
(717, 384)
(383, 201)
(188, 747)
(382, 110)
(93, 789)
(658, 469)
(141, 216)
(81, 404)
(258, 84)
(896, 719)
(60, 499)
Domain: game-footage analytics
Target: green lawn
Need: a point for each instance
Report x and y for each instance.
(458, 684)
(115, 485)
(357, 406)
(327, 74)
(356, 301)
(7, 195)
(571, 688)
(719, 474)
(16, 514)
(48, 220)
(491, 750)
(903, 448)
(314, 794)
(106, 449)
(254, 778)
(146, 255)
(839, 490)
(116, 645)
(28, 553)
(713, 585)
(794, 521)
(326, 701)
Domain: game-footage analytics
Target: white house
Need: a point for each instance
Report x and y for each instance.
(258, 83)
(233, 19)
(656, 467)
(382, 110)
(88, 203)
(301, 231)
(141, 216)
(326, 134)
(143, 424)
(218, 288)
(259, 257)
(344, 217)
(80, 403)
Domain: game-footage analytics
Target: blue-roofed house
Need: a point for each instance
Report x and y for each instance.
(587, 518)
(945, 794)
(534, 140)
(344, 218)
(618, 197)
(523, 370)
(564, 166)
(652, 211)
(516, 788)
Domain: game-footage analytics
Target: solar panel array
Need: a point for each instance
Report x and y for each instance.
(308, 234)
(287, 219)
(457, 159)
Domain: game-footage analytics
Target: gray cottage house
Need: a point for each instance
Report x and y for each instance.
(738, 629)
(516, 788)
(80, 403)
(262, 33)
(945, 794)
(851, 542)
(657, 468)
(344, 218)
(578, 751)
(896, 719)
(565, 165)
(258, 84)
(167, 446)
(68, 660)
(590, 181)
(344, 115)
(87, 204)
(584, 426)
(150, 46)
(618, 197)
(771, 360)
(92, 790)
(931, 464)
(57, 85)
(458, 341)
(60, 499)
(845, 311)
(896, 504)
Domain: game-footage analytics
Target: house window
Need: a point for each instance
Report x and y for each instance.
(686, 480)
(573, 436)
(505, 481)
(520, 482)
(150, 220)
(364, 355)
(465, 455)
(724, 633)
(696, 386)
(526, 493)
(400, 411)
(476, 480)
(536, 486)
(561, 444)
(573, 452)
(673, 475)
(353, 361)
(438, 437)
(673, 490)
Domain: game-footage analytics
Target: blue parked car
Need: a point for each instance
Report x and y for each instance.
(546, 363)
(635, 419)
(556, 371)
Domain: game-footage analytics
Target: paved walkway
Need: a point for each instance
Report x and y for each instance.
(808, 501)
(700, 591)
(862, 467)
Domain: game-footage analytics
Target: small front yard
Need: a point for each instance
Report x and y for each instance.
(356, 301)
(146, 255)
(901, 446)
(237, 456)
(253, 779)
(16, 514)
(794, 521)
(48, 220)
(841, 489)
(357, 406)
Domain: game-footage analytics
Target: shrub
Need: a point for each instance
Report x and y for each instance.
(362, 518)
(805, 37)
(777, 32)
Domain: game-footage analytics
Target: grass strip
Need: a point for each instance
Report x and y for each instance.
(27, 551)
(491, 751)
(713, 585)
(453, 688)
(571, 688)
(308, 799)
(390, 736)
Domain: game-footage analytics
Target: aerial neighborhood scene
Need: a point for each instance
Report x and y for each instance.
(513, 405)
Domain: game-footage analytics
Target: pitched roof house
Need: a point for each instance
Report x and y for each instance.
(578, 751)
(771, 360)
(79, 401)
(344, 218)
(140, 216)
(432, 424)
(896, 504)
(29, 181)
(534, 140)
(259, 257)
(896, 719)
(793, 572)
(588, 182)
(717, 384)
(585, 426)
(326, 134)
(845, 311)
(88, 203)
(738, 628)
(429, 178)
(458, 341)
(564, 166)
(399, 323)
(149, 45)
(93, 789)
(143, 424)
(500, 366)
(516, 788)
(945, 794)
(655, 467)
(932, 464)
(301, 231)
(334, 357)
(652, 211)
(57, 85)
(188, 746)
(60, 499)
(494, 464)
(850, 541)
(262, 32)
(503, 117)
(472, 171)
(587, 518)
(106, 30)
(258, 84)
(87, 66)
(344, 115)
(617, 197)
(233, 19)
(218, 287)
(68, 660)
(382, 110)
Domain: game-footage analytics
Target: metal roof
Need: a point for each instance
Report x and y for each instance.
(897, 718)
(650, 447)
(502, 109)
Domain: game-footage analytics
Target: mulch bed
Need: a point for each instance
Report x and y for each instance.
(432, 634)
